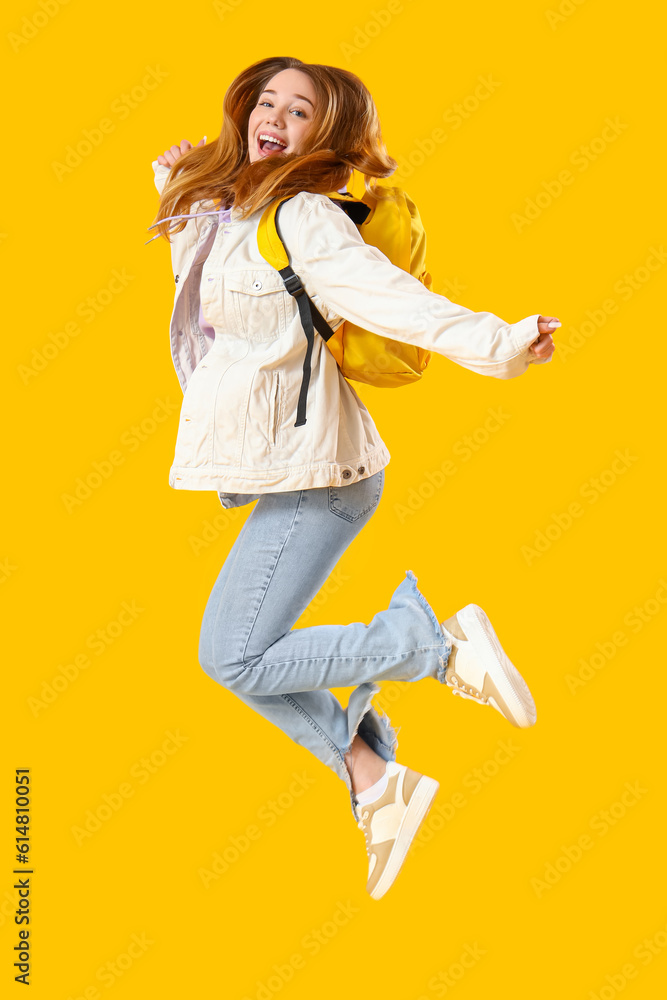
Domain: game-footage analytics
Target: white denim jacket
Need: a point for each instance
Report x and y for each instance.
(236, 432)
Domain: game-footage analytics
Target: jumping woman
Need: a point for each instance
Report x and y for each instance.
(297, 129)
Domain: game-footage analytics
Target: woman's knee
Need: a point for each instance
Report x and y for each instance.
(227, 670)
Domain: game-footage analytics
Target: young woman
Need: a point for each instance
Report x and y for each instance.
(292, 128)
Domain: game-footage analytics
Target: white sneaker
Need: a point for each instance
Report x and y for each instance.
(482, 670)
(391, 823)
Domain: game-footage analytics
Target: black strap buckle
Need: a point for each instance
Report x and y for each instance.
(291, 281)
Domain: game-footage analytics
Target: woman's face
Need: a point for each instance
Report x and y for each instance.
(285, 111)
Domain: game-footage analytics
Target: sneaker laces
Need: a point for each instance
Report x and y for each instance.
(466, 691)
(365, 830)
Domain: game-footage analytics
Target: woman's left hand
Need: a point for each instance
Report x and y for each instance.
(544, 347)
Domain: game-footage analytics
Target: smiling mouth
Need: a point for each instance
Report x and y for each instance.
(267, 146)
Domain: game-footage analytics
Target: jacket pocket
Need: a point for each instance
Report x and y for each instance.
(275, 406)
(258, 303)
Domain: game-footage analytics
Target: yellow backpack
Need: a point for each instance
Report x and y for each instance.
(392, 224)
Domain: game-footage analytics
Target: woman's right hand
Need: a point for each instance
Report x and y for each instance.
(543, 347)
(169, 157)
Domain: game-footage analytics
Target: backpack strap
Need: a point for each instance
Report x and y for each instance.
(274, 251)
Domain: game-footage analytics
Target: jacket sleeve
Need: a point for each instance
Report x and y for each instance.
(362, 285)
(160, 175)
(181, 243)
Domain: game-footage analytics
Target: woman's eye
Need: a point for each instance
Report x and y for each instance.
(298, 110)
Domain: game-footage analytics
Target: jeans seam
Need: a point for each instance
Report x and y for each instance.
(311, 722)
(327, 659)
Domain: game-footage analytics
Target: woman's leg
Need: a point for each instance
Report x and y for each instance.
(287, 549)
(282, 557)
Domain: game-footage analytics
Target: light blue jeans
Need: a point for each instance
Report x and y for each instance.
(282, 557)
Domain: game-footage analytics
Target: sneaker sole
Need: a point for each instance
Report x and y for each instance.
(503, 682)
(415, 814)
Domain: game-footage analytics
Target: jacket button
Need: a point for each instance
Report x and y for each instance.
(257, 284)
(177, 277)
(347, 474)
(362, 468)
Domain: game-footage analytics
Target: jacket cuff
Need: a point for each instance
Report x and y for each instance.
(524, 333)
(160, 175)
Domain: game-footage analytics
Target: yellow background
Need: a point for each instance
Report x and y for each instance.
(478, 882)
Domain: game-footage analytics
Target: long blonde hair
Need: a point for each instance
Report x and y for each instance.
(345, 136)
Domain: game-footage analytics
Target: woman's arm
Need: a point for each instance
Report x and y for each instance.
(165, 161)
(183, 241)
(160, 176)
(363, 286)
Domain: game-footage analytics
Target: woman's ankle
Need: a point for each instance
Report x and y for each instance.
(365, 767)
